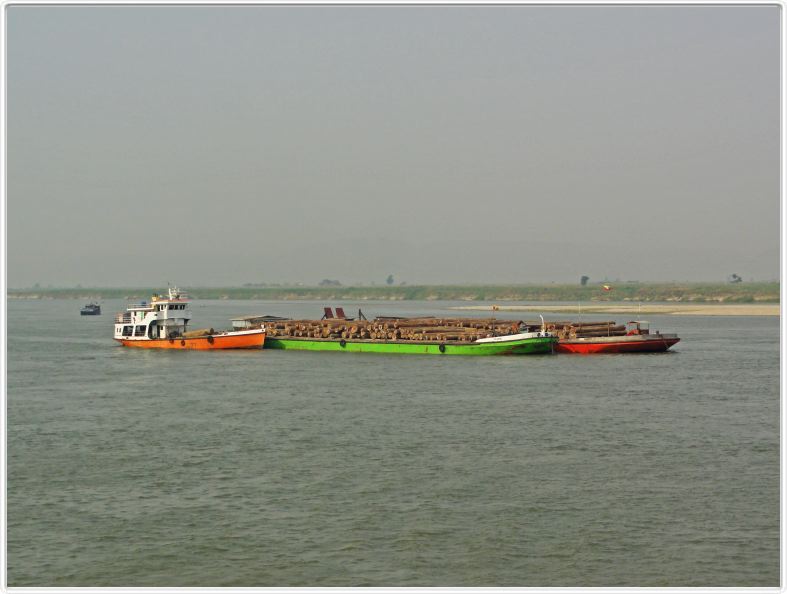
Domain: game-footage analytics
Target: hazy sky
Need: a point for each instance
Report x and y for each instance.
(224, 145)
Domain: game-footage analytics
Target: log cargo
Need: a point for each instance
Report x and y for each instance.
(429, 335)
(198, 333)
(450, 335)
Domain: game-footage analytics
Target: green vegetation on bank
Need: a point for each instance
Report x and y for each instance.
(767, 292)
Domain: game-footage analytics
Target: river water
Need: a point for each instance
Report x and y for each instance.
(132, 467)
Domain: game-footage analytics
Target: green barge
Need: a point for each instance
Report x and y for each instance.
(517, 344)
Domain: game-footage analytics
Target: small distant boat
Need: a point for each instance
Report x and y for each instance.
(637, 339)
(91, 309)
(163, 324)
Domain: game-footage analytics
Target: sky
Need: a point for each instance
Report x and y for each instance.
(442, 144)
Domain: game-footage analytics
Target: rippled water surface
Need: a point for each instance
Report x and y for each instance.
(140, 468)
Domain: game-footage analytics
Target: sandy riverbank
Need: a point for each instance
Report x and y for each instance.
(676, 309)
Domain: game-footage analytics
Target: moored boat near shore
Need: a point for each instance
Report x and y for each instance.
(163, 324)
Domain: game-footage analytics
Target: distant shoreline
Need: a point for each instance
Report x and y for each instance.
(676, 309)
(749, 296)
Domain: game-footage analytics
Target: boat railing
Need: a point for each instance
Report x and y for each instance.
(123, 318)
(143, 305)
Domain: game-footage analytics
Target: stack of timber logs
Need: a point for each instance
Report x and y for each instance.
(417, 329)
(199, 333)
(585, 329)
(433, 329)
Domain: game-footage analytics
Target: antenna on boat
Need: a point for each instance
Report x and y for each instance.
(543, 323)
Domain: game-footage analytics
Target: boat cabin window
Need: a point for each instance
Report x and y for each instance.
(127, 330)
(140, 331)
(172, 306)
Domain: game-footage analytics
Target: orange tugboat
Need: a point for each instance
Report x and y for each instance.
(162, 324)
(637, 339)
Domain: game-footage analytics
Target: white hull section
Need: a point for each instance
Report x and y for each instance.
(511, 337)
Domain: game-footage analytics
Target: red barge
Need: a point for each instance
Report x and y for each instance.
(637, 339)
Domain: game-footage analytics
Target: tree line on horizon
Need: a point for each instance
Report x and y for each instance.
(766, 292)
